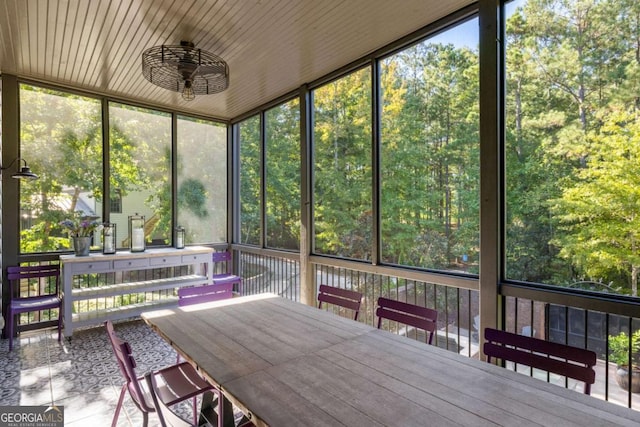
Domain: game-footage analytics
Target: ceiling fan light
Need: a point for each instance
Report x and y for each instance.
(186, 69)
(187, 92)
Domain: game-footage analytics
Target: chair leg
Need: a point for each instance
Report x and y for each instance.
(195, 410)
(120, 400)
(10, 319)
(59, 326)
(225, 411)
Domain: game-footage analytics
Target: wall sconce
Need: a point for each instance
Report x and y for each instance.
(25, 171)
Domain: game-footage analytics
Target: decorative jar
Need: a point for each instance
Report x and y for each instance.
(180, 235)
(109, 238)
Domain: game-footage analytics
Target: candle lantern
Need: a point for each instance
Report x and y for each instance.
(108, 238)
(136, 233)
(179, 241)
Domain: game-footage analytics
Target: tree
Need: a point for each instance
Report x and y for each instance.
(430, 155)
(568, 64)
(250, 157)
(601, 211)
(342, 166)
(282, 164)
(62, 133)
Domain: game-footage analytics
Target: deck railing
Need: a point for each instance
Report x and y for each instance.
(457, 308)
(589, 321)
(456, 301)
(585, 321)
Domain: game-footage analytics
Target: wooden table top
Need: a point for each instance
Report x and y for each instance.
(288, 364)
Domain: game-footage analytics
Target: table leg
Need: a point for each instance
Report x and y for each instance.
(222, 416)
(225, 411)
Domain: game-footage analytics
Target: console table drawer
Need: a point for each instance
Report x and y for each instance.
(196, 258)
(165, 260)
(124, 264)
(89, 267)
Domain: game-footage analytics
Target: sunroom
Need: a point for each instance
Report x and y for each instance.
(476, 158)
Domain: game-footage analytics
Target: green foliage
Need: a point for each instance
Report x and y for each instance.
(62, 134)
(599, 211)
(38, 239)
(283, 176)
(192, 196)
(571, 155)
(342, 166)
(430, 156)
(250, 180)
(619, 349)
(571, 148)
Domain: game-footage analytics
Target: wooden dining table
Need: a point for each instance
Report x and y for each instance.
(284, 363)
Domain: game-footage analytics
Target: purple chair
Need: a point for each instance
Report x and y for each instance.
(409, 314)
(169, 418)
(204, 293)
(165, 415)
(179, 382)
(561, 359)
(342, 297)
(24, 304)
(228, 276)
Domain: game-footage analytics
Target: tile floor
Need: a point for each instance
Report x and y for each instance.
(81, 373)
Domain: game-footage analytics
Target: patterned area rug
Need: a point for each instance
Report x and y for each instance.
(80, 373)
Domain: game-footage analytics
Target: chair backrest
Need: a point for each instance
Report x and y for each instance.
(223, 257)
(166, 416)
(204, 293)
(409, 314)
(16, 273)
(342, 297)
(561, 359)
(127, 365)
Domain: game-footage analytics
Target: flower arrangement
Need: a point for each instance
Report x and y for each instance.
(80, 226)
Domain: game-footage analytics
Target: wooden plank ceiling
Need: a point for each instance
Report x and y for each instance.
(272, 46)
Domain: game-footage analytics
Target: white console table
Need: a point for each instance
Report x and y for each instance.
(198, 256)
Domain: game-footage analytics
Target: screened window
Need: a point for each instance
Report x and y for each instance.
(429, 165)
(249, 141)
(342, 167)
(61, 139)
(140, 167)
(282, 141)
(573, 144)
(202, 180)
